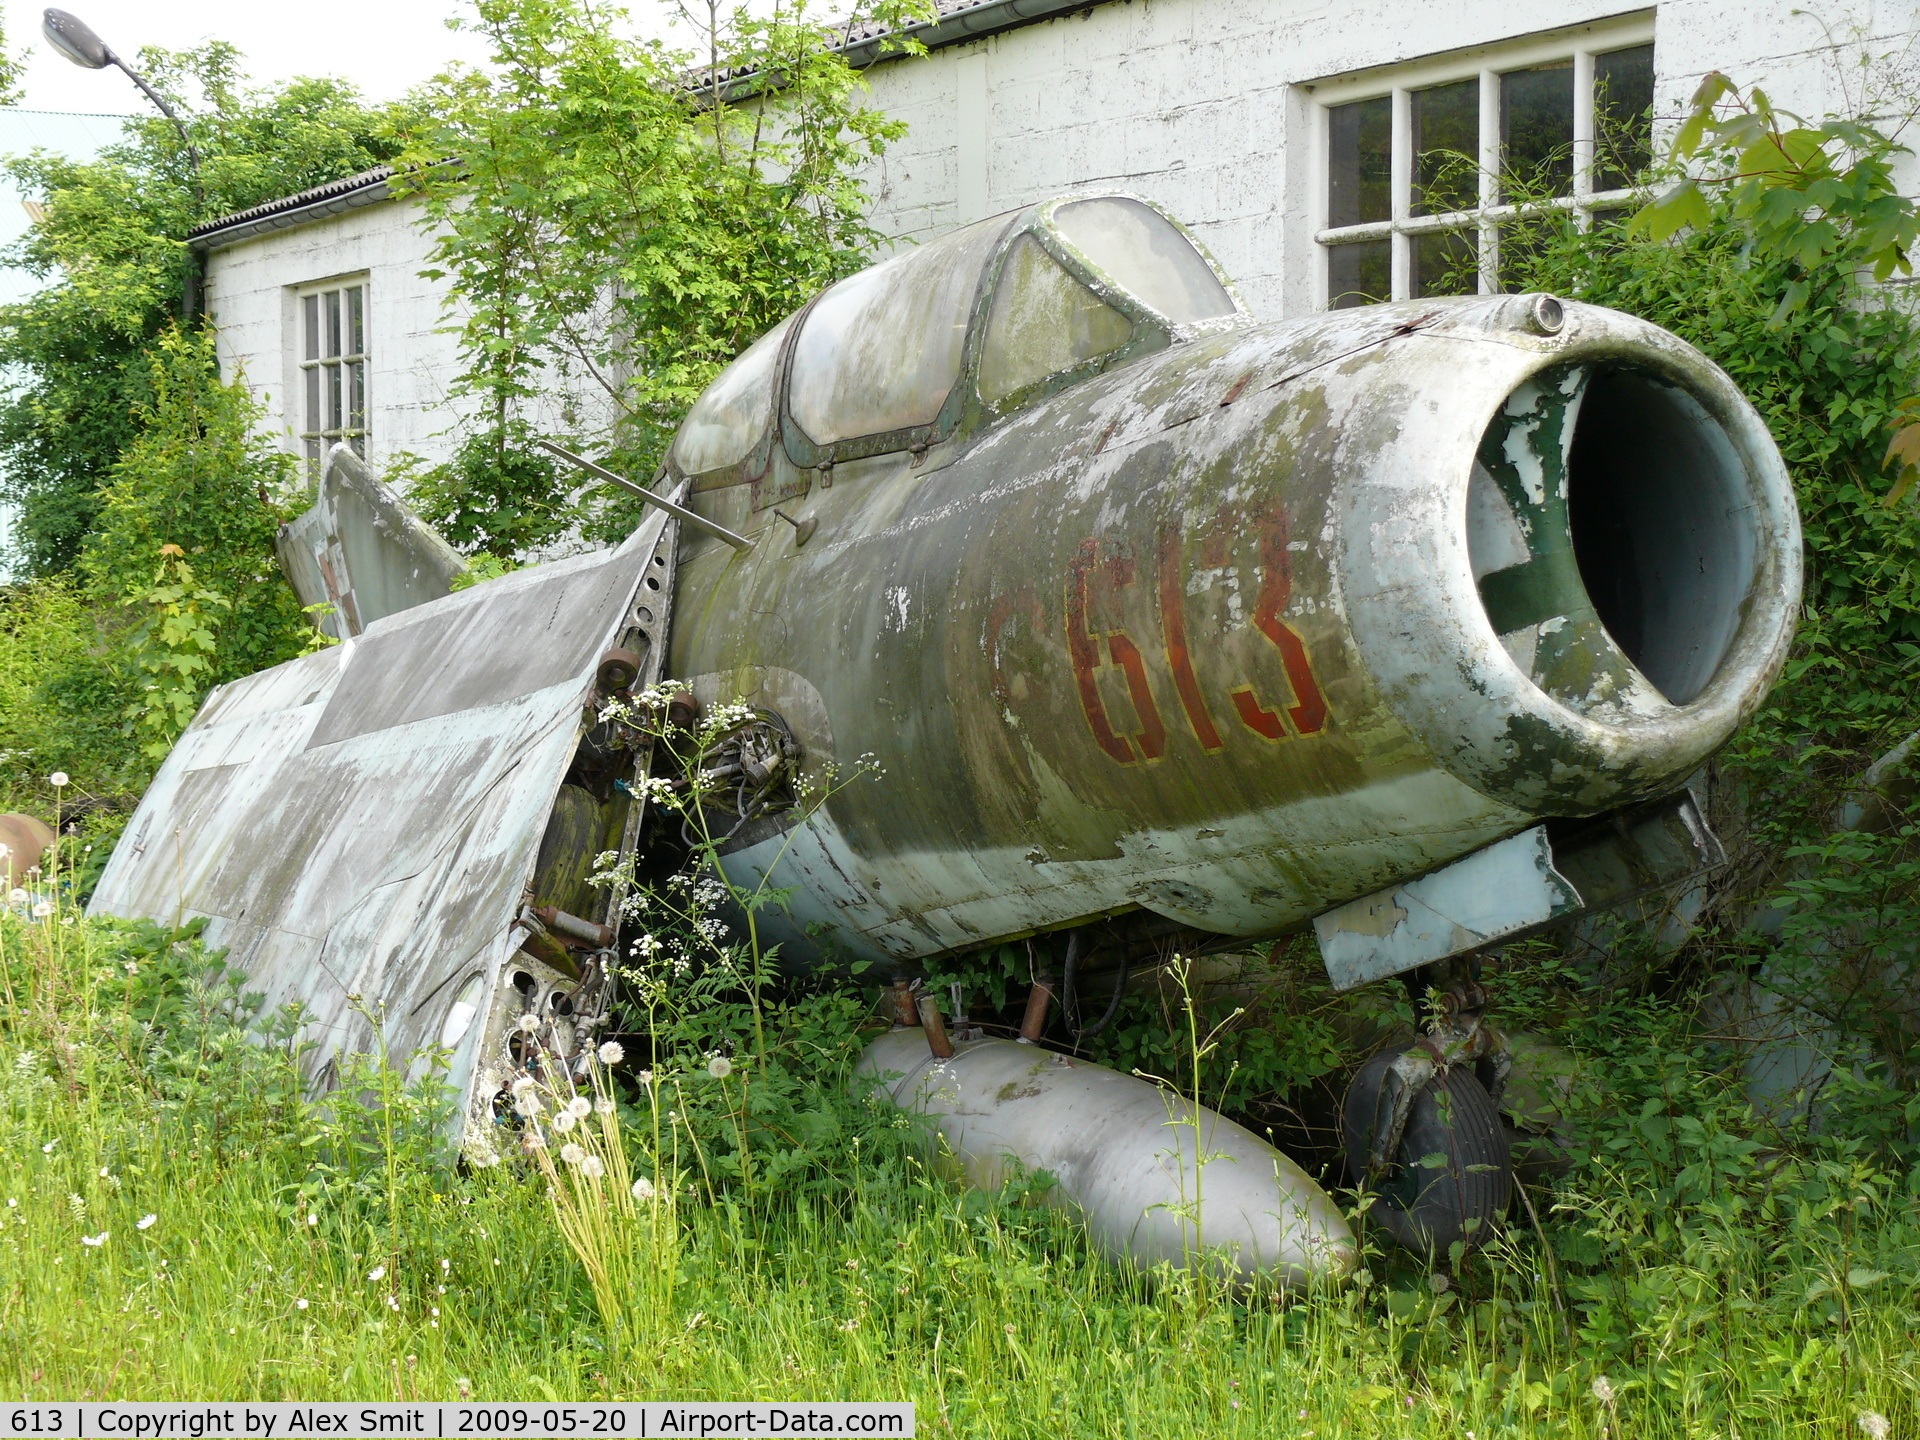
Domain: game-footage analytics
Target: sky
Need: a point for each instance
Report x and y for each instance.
(384, 46)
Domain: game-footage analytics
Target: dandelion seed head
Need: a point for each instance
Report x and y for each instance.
(1874, 1425)
(592, 1168)
(522, 1086)
(643, 1189)
(565, 1121)
(579, 1107)
(58, 779)
(1602, 1390)
(527, 1024)
(43, 910)
(18, 896)
(572, 1154)
(610, 1053)
(719, 1067)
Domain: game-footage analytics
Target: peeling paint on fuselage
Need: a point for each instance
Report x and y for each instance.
(1224, 589)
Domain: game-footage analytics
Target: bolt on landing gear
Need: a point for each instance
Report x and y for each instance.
(1421, 1124)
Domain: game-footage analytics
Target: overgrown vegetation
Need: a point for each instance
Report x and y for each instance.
(169, 1188)
(623, 221)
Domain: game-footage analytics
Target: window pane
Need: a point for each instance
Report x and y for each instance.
(732, 413)
(334, 405)
(1044, 321)
(1623, 116)
(310, 314)
(1536, 131)
(882, 349)
(1446, 148)
(330, 302)
(1360, 162)
(1147, 256)
(314, 420)
(357, 400)
(356, 321)
(1359, 274)
(1445, 263)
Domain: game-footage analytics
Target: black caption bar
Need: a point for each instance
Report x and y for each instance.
(287, 1420)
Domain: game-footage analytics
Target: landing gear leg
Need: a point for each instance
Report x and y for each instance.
(1422, 1124)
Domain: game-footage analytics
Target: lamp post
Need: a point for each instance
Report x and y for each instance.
(74, 38)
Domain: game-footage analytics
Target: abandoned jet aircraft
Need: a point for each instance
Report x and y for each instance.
(1172, 630)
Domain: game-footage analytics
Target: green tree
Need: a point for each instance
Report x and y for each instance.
(621, 222)
(198, 479)
(112, 244)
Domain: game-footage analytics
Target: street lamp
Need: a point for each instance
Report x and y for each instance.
(74, 38)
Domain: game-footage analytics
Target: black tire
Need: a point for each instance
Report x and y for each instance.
(1428, 1208)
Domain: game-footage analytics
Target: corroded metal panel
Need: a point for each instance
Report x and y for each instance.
(362, 550)
(1203, 635)
(359, 826)
(1501, 890)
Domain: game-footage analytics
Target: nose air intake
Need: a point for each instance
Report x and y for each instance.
(1610, 539)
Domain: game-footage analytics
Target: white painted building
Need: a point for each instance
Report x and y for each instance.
(1284, 132)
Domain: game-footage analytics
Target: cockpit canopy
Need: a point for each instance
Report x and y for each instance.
(945, 338)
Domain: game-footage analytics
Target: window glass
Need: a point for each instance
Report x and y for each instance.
(881, 350)
(1444, 263)
(1043, 322)
(1623, 116)
(1446, 148)
(732, 413)
(1146, 256)
(1360, 162)
(1536, 131)
(1359, 273)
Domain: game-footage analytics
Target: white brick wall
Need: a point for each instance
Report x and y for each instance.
(1204, 105)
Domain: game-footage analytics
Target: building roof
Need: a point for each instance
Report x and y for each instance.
(954, 22)
(369, 187)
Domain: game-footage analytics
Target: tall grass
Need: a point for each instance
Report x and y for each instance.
(1703, 1284)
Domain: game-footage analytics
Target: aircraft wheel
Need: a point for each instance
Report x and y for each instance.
(1455, 1128)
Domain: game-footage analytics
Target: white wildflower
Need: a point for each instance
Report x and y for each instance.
(572, 1154)
(301, 1303)
(47, 1149)
(611, 1054)
(591, 1167)
(579, 1107)
(379, 1272)
(95, 1240)
(643, 1189)
(719, 1067)
(645, 1077)
(146, 1222)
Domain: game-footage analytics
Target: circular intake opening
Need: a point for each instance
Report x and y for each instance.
(1664, 527)
(1613, 531)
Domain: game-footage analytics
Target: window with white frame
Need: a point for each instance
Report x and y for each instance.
(333, 368)
(1425, 167)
